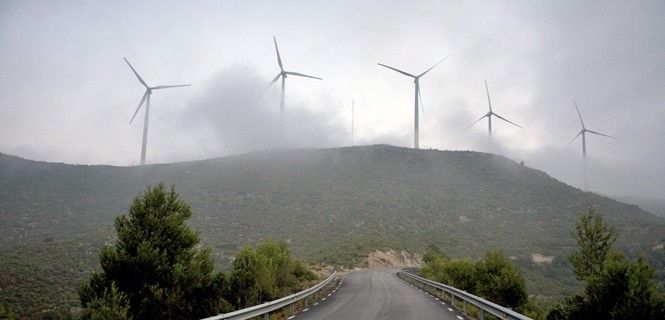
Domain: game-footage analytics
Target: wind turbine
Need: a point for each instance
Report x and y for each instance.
(418, 97)
(491, 113)
(283, 74)
(146, 99)
(584, 131)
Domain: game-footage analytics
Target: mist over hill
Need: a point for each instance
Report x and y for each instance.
(332, 205)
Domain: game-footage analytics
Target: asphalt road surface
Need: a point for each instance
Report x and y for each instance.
(377, 295)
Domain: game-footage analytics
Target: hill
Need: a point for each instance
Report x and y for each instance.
(332, 205)
(653, 205)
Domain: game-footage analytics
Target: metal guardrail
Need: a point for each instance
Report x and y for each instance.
(267, 307)
(483, 305)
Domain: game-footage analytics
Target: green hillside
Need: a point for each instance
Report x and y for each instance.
(333, 205)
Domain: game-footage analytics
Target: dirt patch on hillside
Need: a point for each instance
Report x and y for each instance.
(392, 259)
(539, 258)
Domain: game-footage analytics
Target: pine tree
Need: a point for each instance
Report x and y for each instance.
(156, 263)
(594, 240)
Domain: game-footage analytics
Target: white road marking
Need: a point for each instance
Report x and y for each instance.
(305, 310)
(291, 317)
(443, 303)
(334, 291)
(451, 310)
(316, 304)
(329, 294)
(437, 299)
(460, 318)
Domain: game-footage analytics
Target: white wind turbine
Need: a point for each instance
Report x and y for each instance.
(146, 99)
(583, 133)
(491, 113)
(283, 74)
(416, 81)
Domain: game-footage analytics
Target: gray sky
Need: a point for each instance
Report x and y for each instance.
(68, 96)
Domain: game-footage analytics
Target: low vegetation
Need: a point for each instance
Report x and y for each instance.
(157, 270)
(331, 205)
(493, 277)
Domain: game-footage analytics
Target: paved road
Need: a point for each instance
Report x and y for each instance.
(377, 295)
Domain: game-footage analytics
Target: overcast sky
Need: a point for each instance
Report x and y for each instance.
(67, 95)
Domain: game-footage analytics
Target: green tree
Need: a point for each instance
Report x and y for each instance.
(594, 240)
(461, 274)
(156, 263)
(615, 288)
(112, 304)
(500, 281)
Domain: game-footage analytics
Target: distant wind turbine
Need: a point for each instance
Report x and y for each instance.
(146, 99)
(418, 98)
(283, 74)
(583, 133)
(491, 113)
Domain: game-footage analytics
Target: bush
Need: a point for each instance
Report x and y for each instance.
(265, 274)
(494, 277)
(155, 267)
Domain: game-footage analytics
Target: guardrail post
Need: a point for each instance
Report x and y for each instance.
(266, 316)
(464, 307)
(452, 299)
(481, 316)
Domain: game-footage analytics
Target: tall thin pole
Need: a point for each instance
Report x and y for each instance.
(145, 129)
(353, 116)
(489, 125)
(281, 111)
(584, 160)
(416, 143)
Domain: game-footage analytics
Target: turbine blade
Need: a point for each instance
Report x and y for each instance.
(398, 70)
(601, 134)
(301, 75)
(578, 113)
(489, 102)
(135, 73)
(170, 86)
(428, 70)
(481, 118)
(571, 141)
(274, 80)
(279, 59)
(145, 96)
(506, 120)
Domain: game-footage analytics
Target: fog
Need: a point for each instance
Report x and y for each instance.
(68, 96)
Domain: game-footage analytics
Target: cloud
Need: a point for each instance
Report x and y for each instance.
(237, 113)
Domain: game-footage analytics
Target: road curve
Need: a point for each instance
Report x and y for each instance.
(377, 295)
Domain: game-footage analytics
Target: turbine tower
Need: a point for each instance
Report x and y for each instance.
(283, 74)
(491, 113)
(583, 133)
(146, 99)
(417, 98)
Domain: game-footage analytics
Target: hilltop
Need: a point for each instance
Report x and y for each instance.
(332, 205)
